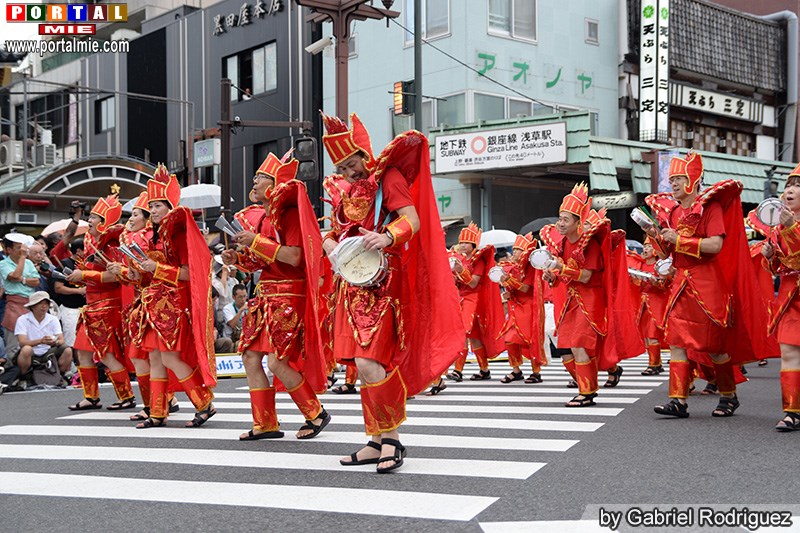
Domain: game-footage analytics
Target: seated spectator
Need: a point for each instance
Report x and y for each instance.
(222, 344)
(234, 312)
(70, 298)
(39, 335)
(20, 279)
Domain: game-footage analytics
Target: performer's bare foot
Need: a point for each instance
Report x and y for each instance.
(368, 455)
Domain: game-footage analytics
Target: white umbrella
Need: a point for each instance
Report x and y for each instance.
(127, 207)
(201, 196)
(61, 225)
(499, 238)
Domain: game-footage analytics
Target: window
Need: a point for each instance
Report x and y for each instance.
(513, 18)
(592, 31)
(104, 114)
(518, 108)
(435, 19)
(488, 107)
(255, 70)
(451, 111)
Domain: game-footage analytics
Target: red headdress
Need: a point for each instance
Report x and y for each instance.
(470, 234)
(578, 203)
(142, 202)
(278, 169)
(691, 167)
(523, 242)
(164, 187)
(794, 177)
(109, 209)
(342, 143)
(595, 217)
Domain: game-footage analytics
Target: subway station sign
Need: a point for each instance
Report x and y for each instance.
(506, 148)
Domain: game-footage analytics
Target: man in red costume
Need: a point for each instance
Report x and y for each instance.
(784, 256)
(653, 306)
(523, 331)
(703, 232)
(282, 320)
(403, 330)
(178, 320)
(99, 334)
(481, 306)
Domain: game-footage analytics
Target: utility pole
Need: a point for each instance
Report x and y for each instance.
(418, 65)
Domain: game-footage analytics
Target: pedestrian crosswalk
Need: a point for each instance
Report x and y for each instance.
(484, 435)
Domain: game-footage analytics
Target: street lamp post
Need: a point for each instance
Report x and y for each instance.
(341, 13)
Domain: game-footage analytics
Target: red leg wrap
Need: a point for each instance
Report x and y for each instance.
(654, 354)
(586, 376)
(384, 404)
(570, 366)
(679, 379)
(535, 366)
(461, 361)
(352, 375)
(196, 390)
(306, 400)
(159, 407)
(144, 388)
(790, 390)
(122, 384)
(480, 355)
(262, 403)
(90, 382)
(726, 383)
(514, 355)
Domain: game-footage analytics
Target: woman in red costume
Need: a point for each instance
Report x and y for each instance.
(523, 332)
(281, 240)
(99, 335)
(178, 322)
(703, 232)
(652, 309)
(784, 255)
(403, 331)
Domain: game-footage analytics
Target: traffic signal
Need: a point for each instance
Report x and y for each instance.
(306, 152)
(404, 94)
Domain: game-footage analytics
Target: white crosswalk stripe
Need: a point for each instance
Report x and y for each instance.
(446, 435)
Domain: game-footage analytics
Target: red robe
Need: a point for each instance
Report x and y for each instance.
(785, 320)
(482, 306)
(525, 321)
(654, 295)
(133, 314)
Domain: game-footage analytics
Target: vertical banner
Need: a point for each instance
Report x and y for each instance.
(654, 71)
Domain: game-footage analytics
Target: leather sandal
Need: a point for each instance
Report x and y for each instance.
(355, 461)
(674, 408)
(456, 376)
(252, 435)
(613, 378)
(201, 417)
(513, 376)
(726, 406)
(711, 388)
(763, 362)
(130, 403)
(436, 389)
(399, 454)
(572, 384)
(173, 405)
(94, 403)
(315, 429)
(481, 375)
(144, 414)
(652, 370)
(152, 423)
(536, 377)
(347, 388)
(790, 422)
(582, 400)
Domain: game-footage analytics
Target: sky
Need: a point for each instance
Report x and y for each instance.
(15, 30)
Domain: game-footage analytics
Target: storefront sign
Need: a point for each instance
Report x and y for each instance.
(506, 148)
(231, 366)
(654, 71)
(207, 153)
(615, 200)
(718, 103)
(247, 13)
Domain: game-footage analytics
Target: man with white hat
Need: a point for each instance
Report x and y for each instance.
(20, 279)
(39, 335)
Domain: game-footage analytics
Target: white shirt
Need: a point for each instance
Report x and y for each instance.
(33, 329)
(230, 311)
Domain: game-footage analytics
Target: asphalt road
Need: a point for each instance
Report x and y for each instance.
(483, 456)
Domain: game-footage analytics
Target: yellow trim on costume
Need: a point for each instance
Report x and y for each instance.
(92, 275)
(265, 248)
(302, 382)
(570, 272)
(400, 230)
(791, 239)
(465, 276)
(688, 245)
(167, 273)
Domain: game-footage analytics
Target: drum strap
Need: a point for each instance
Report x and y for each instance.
(378, 205)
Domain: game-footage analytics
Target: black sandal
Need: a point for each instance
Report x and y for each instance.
(726, 406)
(582, 400)
(173, 405)
(130, 403)
(513, 376)
(331, 380)
(536, 377)
(673, 408)
(652, 370)
(315, 429)
(355, 461)
(436, 389)
(456, 376)
(251, 435)
(613, 378)
(201, 417)
(711, 388)
(399, 454)
(152, 423)
(481, 375)
(347, 388)
(572, 384)
(94, 403)
(793, 424)
(140, 416)
(763, 362)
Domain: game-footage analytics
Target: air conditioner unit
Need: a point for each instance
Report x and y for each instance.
(26, 218)
(12, 154)
(45, 155)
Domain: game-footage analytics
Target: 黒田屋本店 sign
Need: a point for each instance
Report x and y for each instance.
(512, 147)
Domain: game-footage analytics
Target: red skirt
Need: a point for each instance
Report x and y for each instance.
(575, 331)
(648, 326)
(789, 325)
(689, 327)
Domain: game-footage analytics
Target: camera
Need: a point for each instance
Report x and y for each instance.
(77, 204)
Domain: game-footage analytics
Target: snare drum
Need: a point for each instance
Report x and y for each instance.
(496, 274)
(663, 266)
(539, 258)
(359, 266)
(769, 212)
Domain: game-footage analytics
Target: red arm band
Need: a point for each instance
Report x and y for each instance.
(512, 283)
(570, 273)
(400, 230)
(265, 248)
(791, 239)
(167, 273)
(688, 245)
(92, 276)
(465, 276)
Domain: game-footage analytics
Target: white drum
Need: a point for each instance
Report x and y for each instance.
(453, 262)
(359, 266)
(640, 275)
(539, 258)
(663, 266)
(496, 273)
(769, 212)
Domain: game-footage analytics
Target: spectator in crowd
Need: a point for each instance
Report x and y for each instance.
(20, 279)
(222, 344)
(223, 282)
(234, 312)
(70, 298)
(39, 259)
(8, 371)
(39, 335)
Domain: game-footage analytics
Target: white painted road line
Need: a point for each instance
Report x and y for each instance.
(456, 397)
(562, 526)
